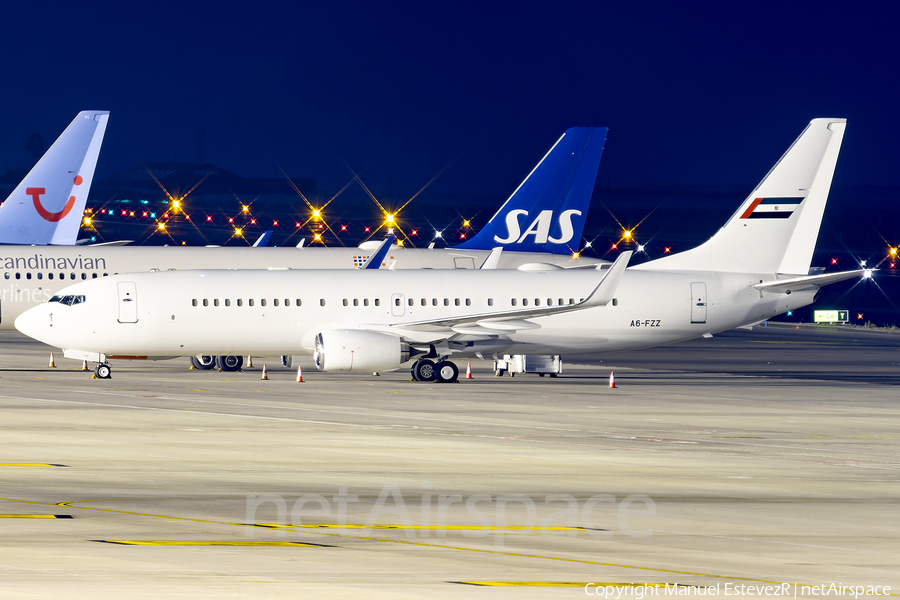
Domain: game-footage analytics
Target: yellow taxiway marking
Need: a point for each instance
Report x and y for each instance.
(408, 542)
(419, 527)
(35, 516)
(572, 584)
(204, 543)
(29, 465)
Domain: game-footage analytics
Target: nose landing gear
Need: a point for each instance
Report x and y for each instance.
(103, 371)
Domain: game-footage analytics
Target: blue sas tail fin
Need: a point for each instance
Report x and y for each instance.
(48, 205)
(546, 213)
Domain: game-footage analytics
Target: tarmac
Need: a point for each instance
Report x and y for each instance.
(755, 458)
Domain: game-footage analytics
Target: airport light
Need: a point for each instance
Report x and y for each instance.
(274, 223)
(399, 242)
(176, 204)
(317, 214)
(867, 274)
(389, 219)
(627, 235)
(587, 244)
(640, 248)
(615, 247)
(668, 250)
(415, 232)
(238, 232)
(892, 252)
(253, 221)
(245, 208)
(862, 263)
(466, 223)
(834, 261)
(317, 237)
(576, 254)
(87, 221)
(209, 218)
(161, 226)
(343, 228)
(438, 234)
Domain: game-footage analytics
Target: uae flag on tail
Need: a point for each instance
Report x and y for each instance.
(771, 208)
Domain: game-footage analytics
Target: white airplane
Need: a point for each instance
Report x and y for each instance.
(48, 205)
(757, 266)
(557, 192)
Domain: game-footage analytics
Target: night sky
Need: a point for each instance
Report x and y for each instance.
(696, 93)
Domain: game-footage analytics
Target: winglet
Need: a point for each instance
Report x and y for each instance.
(493, 259)
(374, 261)
(48, 205)
(263, 240)
(607, 287)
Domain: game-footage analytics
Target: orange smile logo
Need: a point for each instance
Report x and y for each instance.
(36, 193)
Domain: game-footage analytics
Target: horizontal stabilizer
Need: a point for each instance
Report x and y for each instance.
(796, 284)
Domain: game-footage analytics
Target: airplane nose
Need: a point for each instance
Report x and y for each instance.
(34, 323)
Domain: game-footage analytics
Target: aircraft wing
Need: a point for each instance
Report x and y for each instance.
(516, 319)
(796, 284)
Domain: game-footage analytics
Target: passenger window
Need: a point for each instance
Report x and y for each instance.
(216, 302)
(377, 301)
(356, 302)
(513, 301)
(346, 302)
(205, 302)
(468, 302)
(299, 303)
(490, 301)
(72, 276)
(615, 301)
(262, 301)
(93, 276)
(18, 276)
(396, 301)
(446, 301)
(365, 301)
(6, 275)
(193, 302)
(287, 302)
(275, 302)
(27, 275)
(571, 300)
(40, 275)
(549, 301)
(321, 301)
(410, 301)
(456, 301)
(49, 276)
(524, 301)
(84, 276)
(434, 302)
(424, 302)
(250, 302)
(240, 302)
(561, 302)
(537, 301)
(227, 302)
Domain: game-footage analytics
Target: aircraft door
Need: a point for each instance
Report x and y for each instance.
(464, 262)
(398, 305)
(698, 302)
(128, 302)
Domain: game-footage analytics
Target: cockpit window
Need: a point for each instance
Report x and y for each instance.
(78, 300)
(67, 300)
(55, 298)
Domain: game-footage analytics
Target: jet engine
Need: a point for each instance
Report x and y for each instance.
(357, 351)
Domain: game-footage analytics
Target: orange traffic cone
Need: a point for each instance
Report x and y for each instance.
(52, 364)
(84, 366)
(249, 362)
(468, 370)
(612, 380)
(265, 373)
(299, 374)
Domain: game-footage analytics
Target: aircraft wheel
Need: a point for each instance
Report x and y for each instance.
(446, 372)
(103, 371)
(230, 362)
(423, 370)
(499, 372)
(204, 363)
(541, 374)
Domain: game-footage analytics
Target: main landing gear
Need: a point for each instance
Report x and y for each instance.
(223, 363)
(443, 371)
(103, 371)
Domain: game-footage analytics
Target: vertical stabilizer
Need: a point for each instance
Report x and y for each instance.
(48, 205)
(546, 213)
(776, 228)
